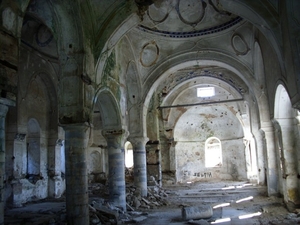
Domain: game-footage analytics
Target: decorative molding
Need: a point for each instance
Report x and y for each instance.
(200, 11)
(113, 132)
(152, 17)
(149, 54)
(205, 73)
(190, 34)
(43, 36)
(239, 44)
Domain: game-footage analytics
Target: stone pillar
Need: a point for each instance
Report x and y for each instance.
(260, 141)
(76, 139)
(3, 111)
(139, 162)
(154, 162)
(116, 167)
(291, 194)
(56, 183)
(271, 167)
(297, 146)
(19, 168)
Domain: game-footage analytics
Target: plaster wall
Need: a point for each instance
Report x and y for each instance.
(191, 162)
(193, 128)
(97, 166)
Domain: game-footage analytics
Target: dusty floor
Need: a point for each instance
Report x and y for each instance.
(233, 203)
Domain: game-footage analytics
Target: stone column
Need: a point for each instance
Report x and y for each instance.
(76, 139)
(3, 111)
(139, 162)
(272, 170)
(260, 142)
(56, 183)
(291, 195)
(154, 162)
(116, 167)
(19, 168)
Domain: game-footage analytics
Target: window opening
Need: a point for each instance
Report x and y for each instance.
(128, 155)
(213, 152)
(205, 92)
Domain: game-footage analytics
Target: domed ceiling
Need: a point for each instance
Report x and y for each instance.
(186, 18)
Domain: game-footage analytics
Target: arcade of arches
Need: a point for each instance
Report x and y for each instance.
(204, 90)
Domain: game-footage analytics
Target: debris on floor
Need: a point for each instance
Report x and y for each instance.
(232, 202)
(156, 197)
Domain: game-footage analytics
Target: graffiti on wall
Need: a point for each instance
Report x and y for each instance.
(203, 174)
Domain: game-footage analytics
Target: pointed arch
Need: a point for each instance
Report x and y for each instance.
(106, 104)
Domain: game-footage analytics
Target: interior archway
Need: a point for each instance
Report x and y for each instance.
(188, 120)
(286, 142)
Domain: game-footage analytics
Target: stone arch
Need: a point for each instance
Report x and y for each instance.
(170, 116)
(255, 96)
(36, 102)
(108, 109)
(254, 104)
(286, 135)
(257, 14)
(283, 108)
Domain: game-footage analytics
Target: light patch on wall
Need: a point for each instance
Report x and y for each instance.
(205, 92)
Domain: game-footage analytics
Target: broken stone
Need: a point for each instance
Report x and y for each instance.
(129, 208)
(147, 202)
(136, 202)
(196, 212)
(95, 219)
(106, 211)
(139, 219)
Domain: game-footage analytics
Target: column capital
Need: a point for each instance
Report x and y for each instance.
(7, 102)
(142, 140)
(113, 132)
(3, 110)
(60, 142)
(267, 127)
(20, 137)
(76, 126)
(115, 137)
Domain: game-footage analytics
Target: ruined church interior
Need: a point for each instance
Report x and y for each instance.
(149, 112)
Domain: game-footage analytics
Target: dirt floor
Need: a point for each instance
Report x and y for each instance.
(235, 203)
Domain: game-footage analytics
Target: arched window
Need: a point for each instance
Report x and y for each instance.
(213, 152)
(128, 155)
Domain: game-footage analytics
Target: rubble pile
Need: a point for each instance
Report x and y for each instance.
(102, 212)
(99, 190)
(156, 197)
(129, 178)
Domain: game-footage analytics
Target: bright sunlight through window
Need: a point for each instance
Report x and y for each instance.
(213, 152)
(205, 92)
